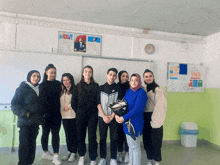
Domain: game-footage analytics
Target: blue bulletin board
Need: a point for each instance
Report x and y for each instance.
(185, 77)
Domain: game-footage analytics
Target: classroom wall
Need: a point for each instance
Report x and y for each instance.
(33, 34)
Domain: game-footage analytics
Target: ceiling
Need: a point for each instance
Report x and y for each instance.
(194, 17)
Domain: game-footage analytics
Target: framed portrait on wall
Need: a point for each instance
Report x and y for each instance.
(69, 42)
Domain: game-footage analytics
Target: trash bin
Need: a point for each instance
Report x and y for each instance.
(188, 132)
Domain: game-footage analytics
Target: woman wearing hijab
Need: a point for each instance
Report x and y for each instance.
(26, 105)
(124, 85)
(154, 116)
(136, 99)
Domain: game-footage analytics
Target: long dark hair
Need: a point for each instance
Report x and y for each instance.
(82, 78)
(49, 66)
(153, 85)
(71, 81)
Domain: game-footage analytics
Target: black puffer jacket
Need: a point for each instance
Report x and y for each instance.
(26, 100)
(86, 101)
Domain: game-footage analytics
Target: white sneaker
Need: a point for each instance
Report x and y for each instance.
(127, 160)
(56, 160)
(149, 163)
(81, 160)
(72, 157)
(113, 162)
(93, 163)
(156, 163)
(47, 155)
(119, 157)
(66, 156)
(102, 162)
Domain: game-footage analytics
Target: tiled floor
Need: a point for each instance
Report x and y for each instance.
(172, 154)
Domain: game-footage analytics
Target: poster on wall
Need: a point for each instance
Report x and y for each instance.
(185, 77)
(69, 42)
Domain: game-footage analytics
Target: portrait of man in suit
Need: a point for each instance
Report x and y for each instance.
(80, 45)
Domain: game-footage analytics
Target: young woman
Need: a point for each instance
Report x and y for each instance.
(136, 99)
(124, 85)
(84, 102)
(26, 105)
(68, 116)
(154, 115)
(50, 90)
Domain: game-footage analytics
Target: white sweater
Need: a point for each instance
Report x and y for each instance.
(65, 99)
(157, 104)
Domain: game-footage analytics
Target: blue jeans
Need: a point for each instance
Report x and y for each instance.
(134, 150)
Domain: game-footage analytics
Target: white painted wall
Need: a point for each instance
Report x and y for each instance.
(116, 42)
(212, 60)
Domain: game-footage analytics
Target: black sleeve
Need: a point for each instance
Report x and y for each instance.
(97, 93)
(120, 93)
(17, 103)
(43, 98)
(74, 99)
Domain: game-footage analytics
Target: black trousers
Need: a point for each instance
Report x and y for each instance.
(71, 134)
(27, 144)
(152, 139)
(103, 129)
(83, 122)
(122, 141)
(53, 126)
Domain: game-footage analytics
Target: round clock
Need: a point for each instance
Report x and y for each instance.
(149, 49)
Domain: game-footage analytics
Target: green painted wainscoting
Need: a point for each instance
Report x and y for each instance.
(201, 108)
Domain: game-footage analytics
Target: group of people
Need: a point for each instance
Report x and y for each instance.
(84, 106)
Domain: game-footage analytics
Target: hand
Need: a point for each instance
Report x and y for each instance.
(28, 114)
(112, 116)
(119, 119)
(106, 119)
(66, 108)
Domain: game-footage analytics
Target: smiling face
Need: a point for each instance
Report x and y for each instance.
(134, 81)
(148, 77)
(111, 76)
(87, 73)
(66, 82)
(35, 78)
(51, 73)
(124, 77)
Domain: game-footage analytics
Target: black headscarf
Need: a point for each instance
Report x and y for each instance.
(30, 74)
(124, 86)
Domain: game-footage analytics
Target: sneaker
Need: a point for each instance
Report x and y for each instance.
(156, 163)
(113, 162)
(149, 163)
(47, 155)
(72, 157)
(93, 163)
(127, 160)
(119, 157)
(66, 156)
(56, 160)
(102, 162)
(81, 160)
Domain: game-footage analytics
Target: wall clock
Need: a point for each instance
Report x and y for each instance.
(149, 49)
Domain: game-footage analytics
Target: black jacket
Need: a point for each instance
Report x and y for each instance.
(86, 101)
(108, 94)
(50, 97)
(26, 100)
